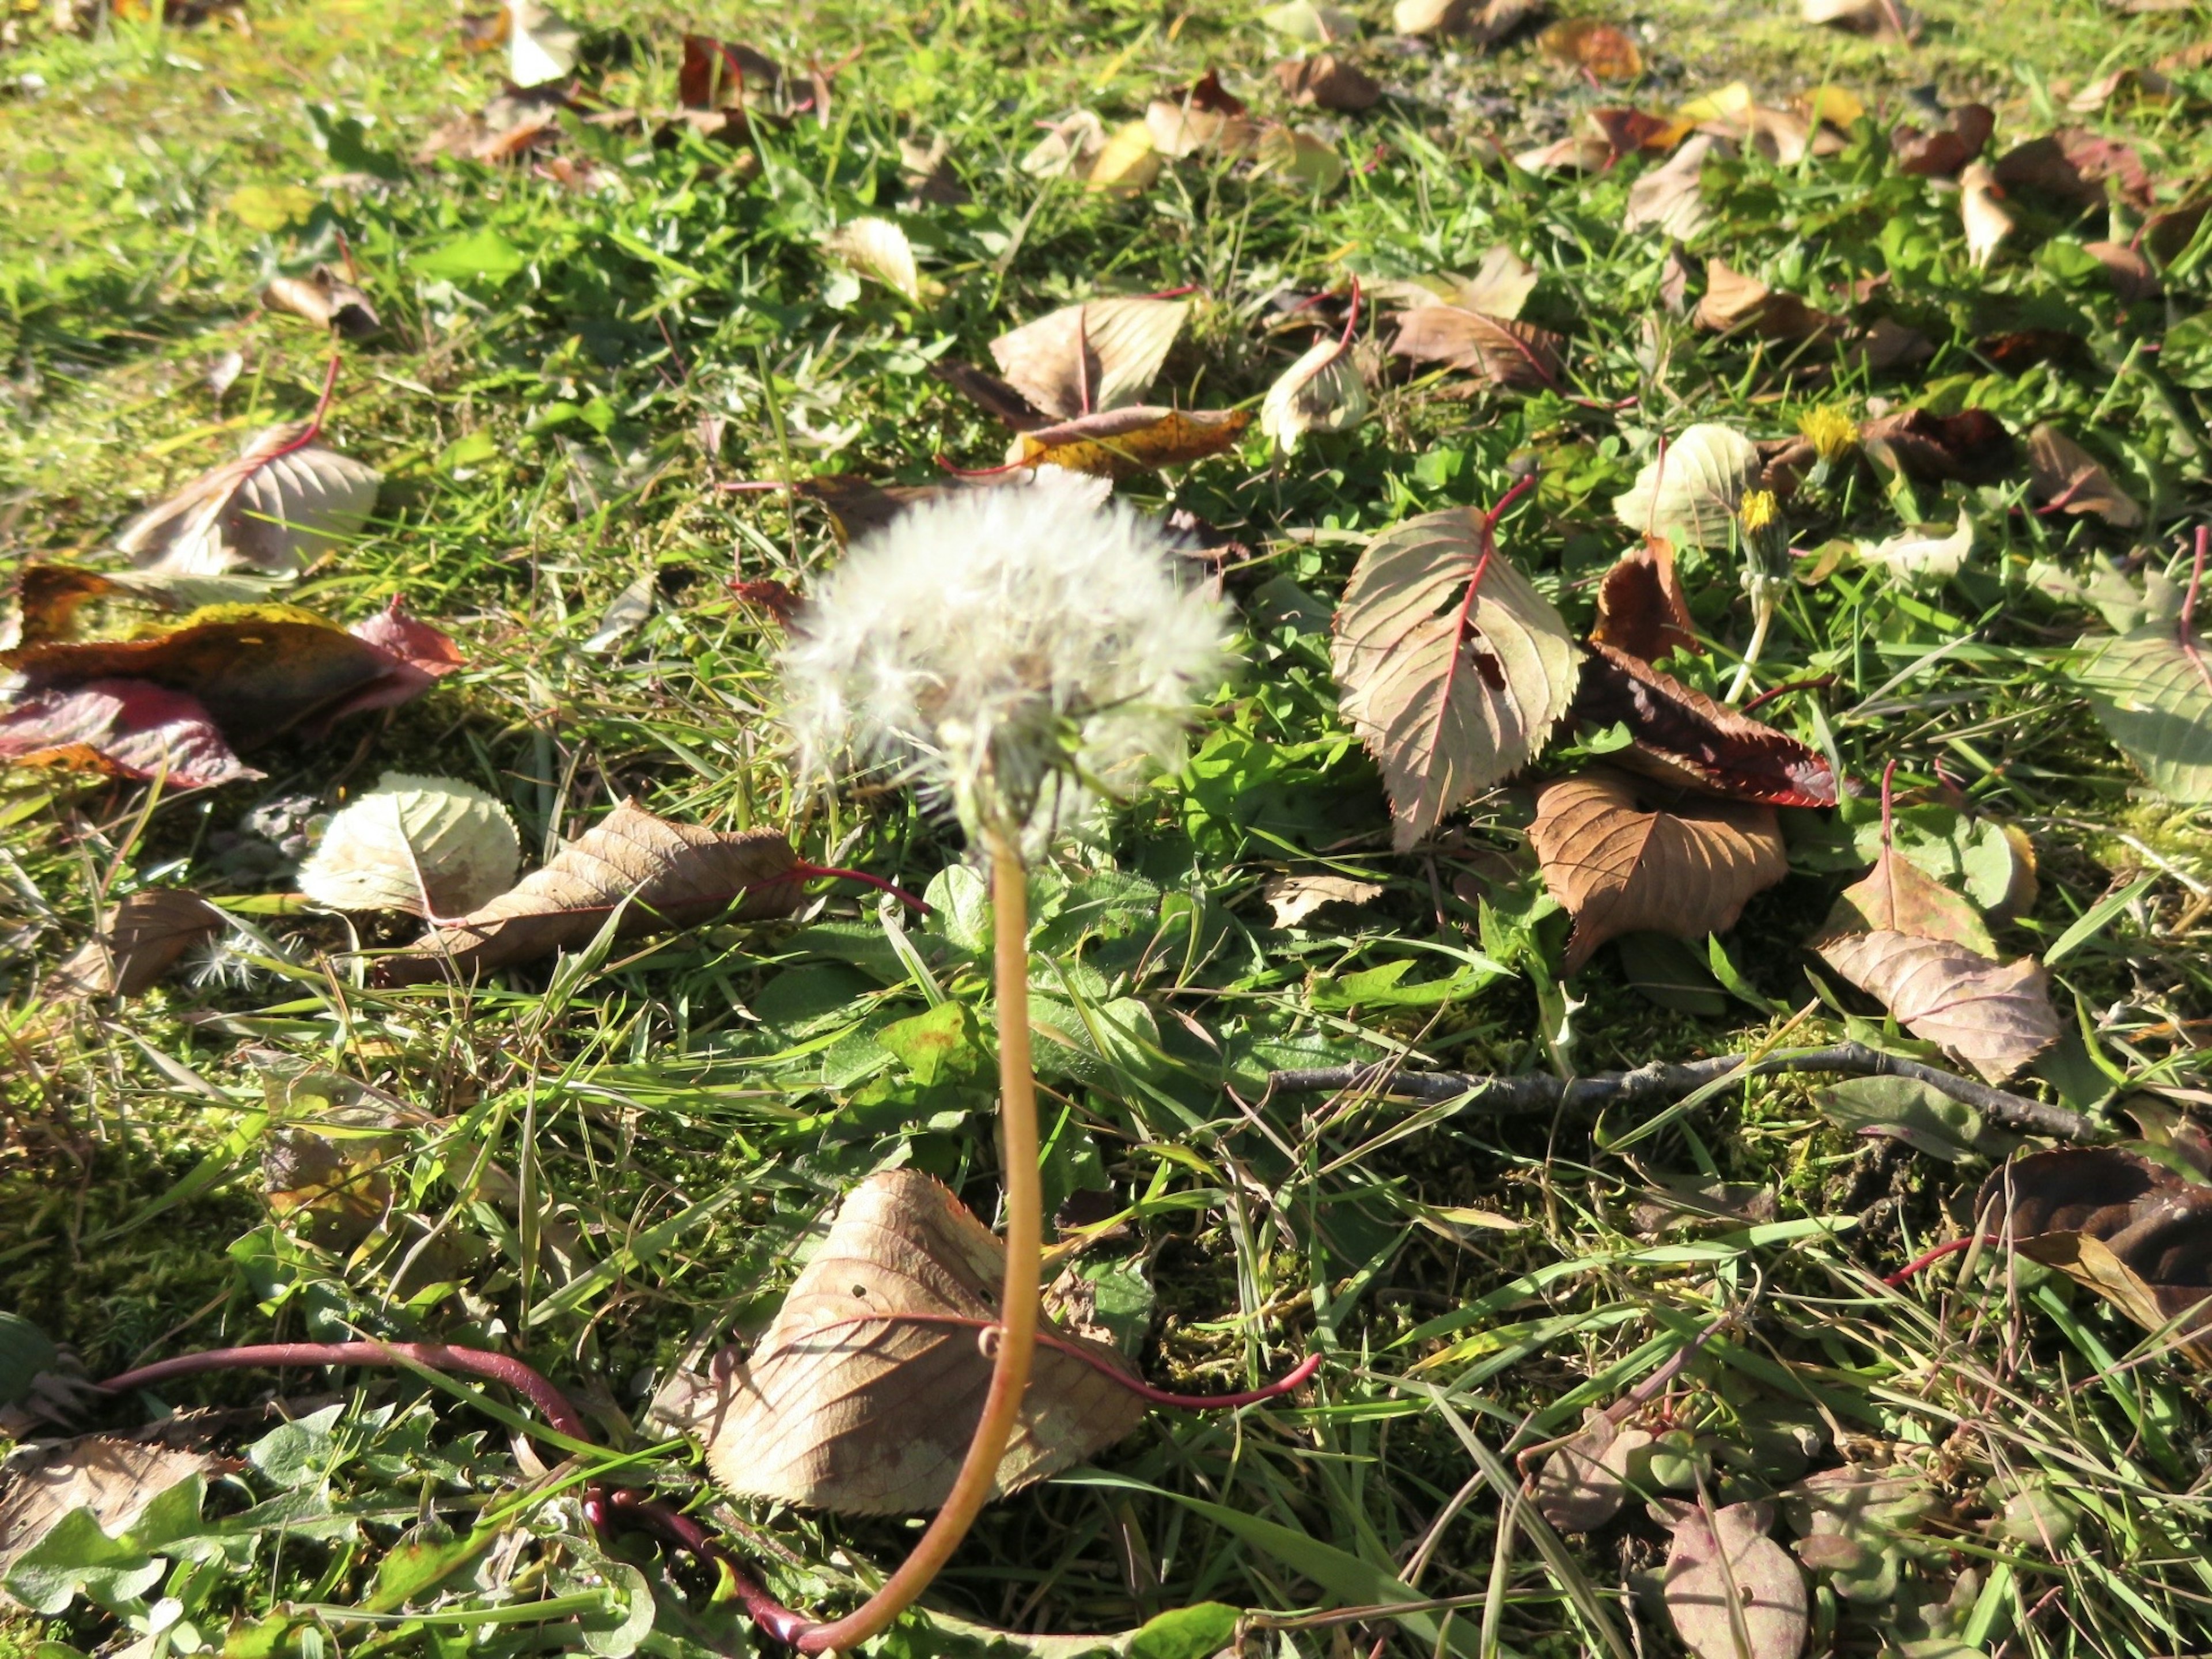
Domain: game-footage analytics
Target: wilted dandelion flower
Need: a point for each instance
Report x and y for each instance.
(1016, 650)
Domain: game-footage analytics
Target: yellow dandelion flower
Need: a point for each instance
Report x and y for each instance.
(1835, 433)
(1758, 512)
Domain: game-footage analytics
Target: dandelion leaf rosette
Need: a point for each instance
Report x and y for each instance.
(864, 1393)
(1453, 668)
(2151, 689)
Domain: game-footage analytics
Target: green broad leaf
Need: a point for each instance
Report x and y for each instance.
(2152, 692)
(944, 1045)
(427, 1556)
(484, 253)
(616, 1632)
(75, 1558)
(1384, 987)
(1904, 1108)
(298, 1453)
(1191, 1632)
(960, 909)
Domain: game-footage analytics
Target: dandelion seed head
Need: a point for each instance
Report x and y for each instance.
(1017, 651)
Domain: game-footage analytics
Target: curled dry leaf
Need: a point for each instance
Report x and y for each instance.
(1322, 392)
(1886, 17)
(1117, 443)
(1620, 861)
(1198, 118)
(1641, 608)
(2151, 689)
(664, 876)
(1600, 50)
(1327, 81)
(1518, 356)
(283, 503)
(144, 936)
(1735, 303)
(1069, 146)
(121, 728)
(1926, 552)
(2068, 478)
(117, 1481)
(1084, 359)
(1690, 491)
(1584, 1484)
(1685, 739)
(724, 75)
(1291, 899)
(2131, 275)
(1983, 212)
(424, 847)
(541, 44)
(1732, 1591)
(2133, 1231)
(1454, 669)
(863, 1394)
(1941, 152)
(324, 299)
(1578, 152)
(1670, 199)
(1972, 447)
(1498, 289)
(878, 250)
(1994, 1017)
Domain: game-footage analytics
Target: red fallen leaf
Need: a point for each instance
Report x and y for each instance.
(2072, 165)
(1941, 154)
(1685, 737)
(1970, 447)
(723, 74)
(125, 728)
(994, 396)
(1641, 610)
(1625, 132)
(771, 596)
(414, 641)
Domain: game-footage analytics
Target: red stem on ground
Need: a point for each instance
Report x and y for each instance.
(1352, 321)
(619, 1508)
(805, 871)
(1819, 683)
(1928, 1259)
(314, 429)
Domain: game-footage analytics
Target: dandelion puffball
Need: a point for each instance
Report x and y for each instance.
(1016, 650)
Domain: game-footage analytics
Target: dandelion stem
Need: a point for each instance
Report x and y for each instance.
(1018, 1302)
(1763, 611)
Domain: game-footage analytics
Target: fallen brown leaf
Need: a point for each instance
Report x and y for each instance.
(1897, 895)
(991, 394)
(1886, 17)
(1484, 23)
(1732, 1591)
(1686, 739)
(1623, 855)
(1291, 899)
(1084, 359)
(1735, 302)
(1941, 152)
(1518, 356)
(1670, 198)
(863, 1394)
(2133, 1231)
(121, 728)
(1117, 443)
(2073, 166)
(717, 75)
(1972, 447)
(2066, 477)
(1600, 50)
(117, 1480)
(664, 876)
(1641, 608)
(1452, 667)
(324, 299)
(1200, 118)
(1996, 1017)
(143, 936)
(2131, 274)
(280, 505)
(1327, 81)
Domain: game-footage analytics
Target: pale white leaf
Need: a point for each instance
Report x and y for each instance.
(427, 846)
(1689, 493)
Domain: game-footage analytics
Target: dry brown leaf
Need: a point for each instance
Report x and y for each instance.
(1069, 146)
(672, 875)
(1198, 118)
(1322, 392)
(1084, 359)
(1518, 356)
(1498, 289)
(1578, 152)
(2133, 1231)
(2073, 166)
(1686, 739)
(1327, 81)
(1486, 22)
(1983, 212)
(1293, 898)
(324, 299)
(2068, 478)
(990, 394)
(863, 1394)
(1453, 668)
(1670, 198)
(1994, 1017)
(718, 75)
(2131, 274)
(1887, 17)
(1941, 154)
(145, 936)
(1626, 131)
(2122, 85)
(1620, 861)
(1600, 50)
(117, 1480)
(1897, 895)
(1972, 447)
(280, 505)
(1735, 302)
(1117, 443)
(1641, 608)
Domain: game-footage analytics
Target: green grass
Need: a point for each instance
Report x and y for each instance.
(541, 433)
